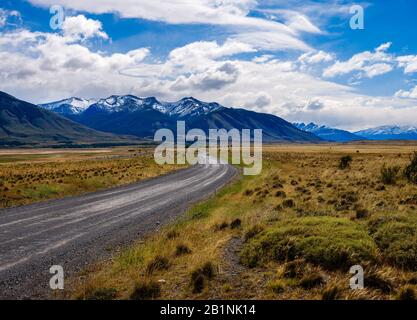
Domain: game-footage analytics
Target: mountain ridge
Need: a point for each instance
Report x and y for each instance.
(128, 114)
(389, 132)
(22, 123)
(328, 133)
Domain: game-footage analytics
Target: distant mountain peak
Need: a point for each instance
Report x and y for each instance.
(73, 105)
(390, 132)
(190, 106)
(327, 133)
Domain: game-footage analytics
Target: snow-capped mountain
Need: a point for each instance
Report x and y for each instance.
(68, 106)
(141, 117)
(327, 133)
(390, 133)
(188, 107)
(22, 123)
(128, 103)
(185, 107)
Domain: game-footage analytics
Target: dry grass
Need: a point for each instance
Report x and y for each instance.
(27, 178)
(309, 176)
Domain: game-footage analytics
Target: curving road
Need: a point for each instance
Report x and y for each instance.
(77, 231)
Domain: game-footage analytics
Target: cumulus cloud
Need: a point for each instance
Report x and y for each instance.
(212, 79)
(48, 66)
(315, 57)
(409, 63)
(80, 28)
(411, 94)
(365, 64)
(40, 67)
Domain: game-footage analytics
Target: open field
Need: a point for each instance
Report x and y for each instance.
(292, 232)
(28, 176)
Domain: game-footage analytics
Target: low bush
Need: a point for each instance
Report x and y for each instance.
(200, 276)
(410, 171)
(311, 281)
(253, 231)
(289, 203)
(326, 241)
(146, 290)
(345, 162)
(235, 223)
(182, 249)
(389, 175)
(158, 263)
(396, 236)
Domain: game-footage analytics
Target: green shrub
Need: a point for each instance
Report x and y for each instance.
(396, 236)
(345, 162)
(410, 171)
(146, 290)
(326, 241)
(252, 232)
(277, 286)
(294, 269)
(389, 174)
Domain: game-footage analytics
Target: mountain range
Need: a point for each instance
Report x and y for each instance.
(389, 133)
(141, 117)
(128, 119)
(22, 123)
(328, 133)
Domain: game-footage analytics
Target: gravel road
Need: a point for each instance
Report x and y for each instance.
(76, 231)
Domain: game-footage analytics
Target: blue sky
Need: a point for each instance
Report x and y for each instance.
(296, 59)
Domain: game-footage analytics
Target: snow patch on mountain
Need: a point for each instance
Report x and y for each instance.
(71, 105)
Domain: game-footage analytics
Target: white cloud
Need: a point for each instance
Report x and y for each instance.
(7, 15)
(377, 69)
(200, 52)
(365, 64)
(315, 104)
(409, 63)
(212, 79)
(79, 28)
(384, 47)
(412, 94)
(40, 67)
(315, 57)
(231, 14)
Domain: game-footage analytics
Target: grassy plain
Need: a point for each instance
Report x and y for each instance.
(292, 232)
(31, 175)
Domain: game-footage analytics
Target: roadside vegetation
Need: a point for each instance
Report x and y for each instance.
(25, 179)
(292, 232)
